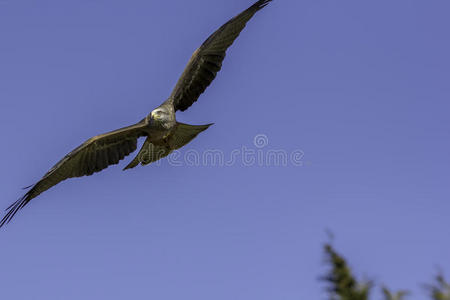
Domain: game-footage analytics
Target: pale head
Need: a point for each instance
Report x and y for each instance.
(160, 115)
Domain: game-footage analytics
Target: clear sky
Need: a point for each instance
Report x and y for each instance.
(359, 88)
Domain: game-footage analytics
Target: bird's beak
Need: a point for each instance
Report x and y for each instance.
(155, 116)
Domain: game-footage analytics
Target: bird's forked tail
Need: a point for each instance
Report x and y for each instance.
(183, 134)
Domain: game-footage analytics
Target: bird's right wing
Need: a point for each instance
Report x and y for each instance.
(207, 60)
(92, 156)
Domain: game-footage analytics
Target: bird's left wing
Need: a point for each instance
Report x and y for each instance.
(92, 156)
(207, 60)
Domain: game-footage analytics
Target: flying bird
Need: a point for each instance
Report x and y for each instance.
(163, 133)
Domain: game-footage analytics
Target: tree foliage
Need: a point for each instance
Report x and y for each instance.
(440, 290)
(343, 285)
(388, 295)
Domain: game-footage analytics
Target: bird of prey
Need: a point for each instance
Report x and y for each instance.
(163, 133)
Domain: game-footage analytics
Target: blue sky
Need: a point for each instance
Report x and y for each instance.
(359, 87)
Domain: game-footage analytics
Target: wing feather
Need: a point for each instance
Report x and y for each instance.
(92, 156)
(207, 60)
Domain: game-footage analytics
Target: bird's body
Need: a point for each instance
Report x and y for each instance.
(163, 133)
(161, 122)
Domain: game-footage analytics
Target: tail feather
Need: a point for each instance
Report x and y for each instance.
(183, 134)
(149, 153)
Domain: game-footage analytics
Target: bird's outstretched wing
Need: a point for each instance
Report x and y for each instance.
(92, 156)
(207, 60)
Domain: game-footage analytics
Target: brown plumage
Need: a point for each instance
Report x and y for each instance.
(207, 60)
(164, 134)
(92, 156)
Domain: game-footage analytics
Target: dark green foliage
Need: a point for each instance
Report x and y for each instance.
(342, 283)
(388, 295)
(440, 290)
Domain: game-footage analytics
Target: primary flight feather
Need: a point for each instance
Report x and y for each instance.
(163, 133)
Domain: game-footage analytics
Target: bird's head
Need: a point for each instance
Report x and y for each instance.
(159, 115)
